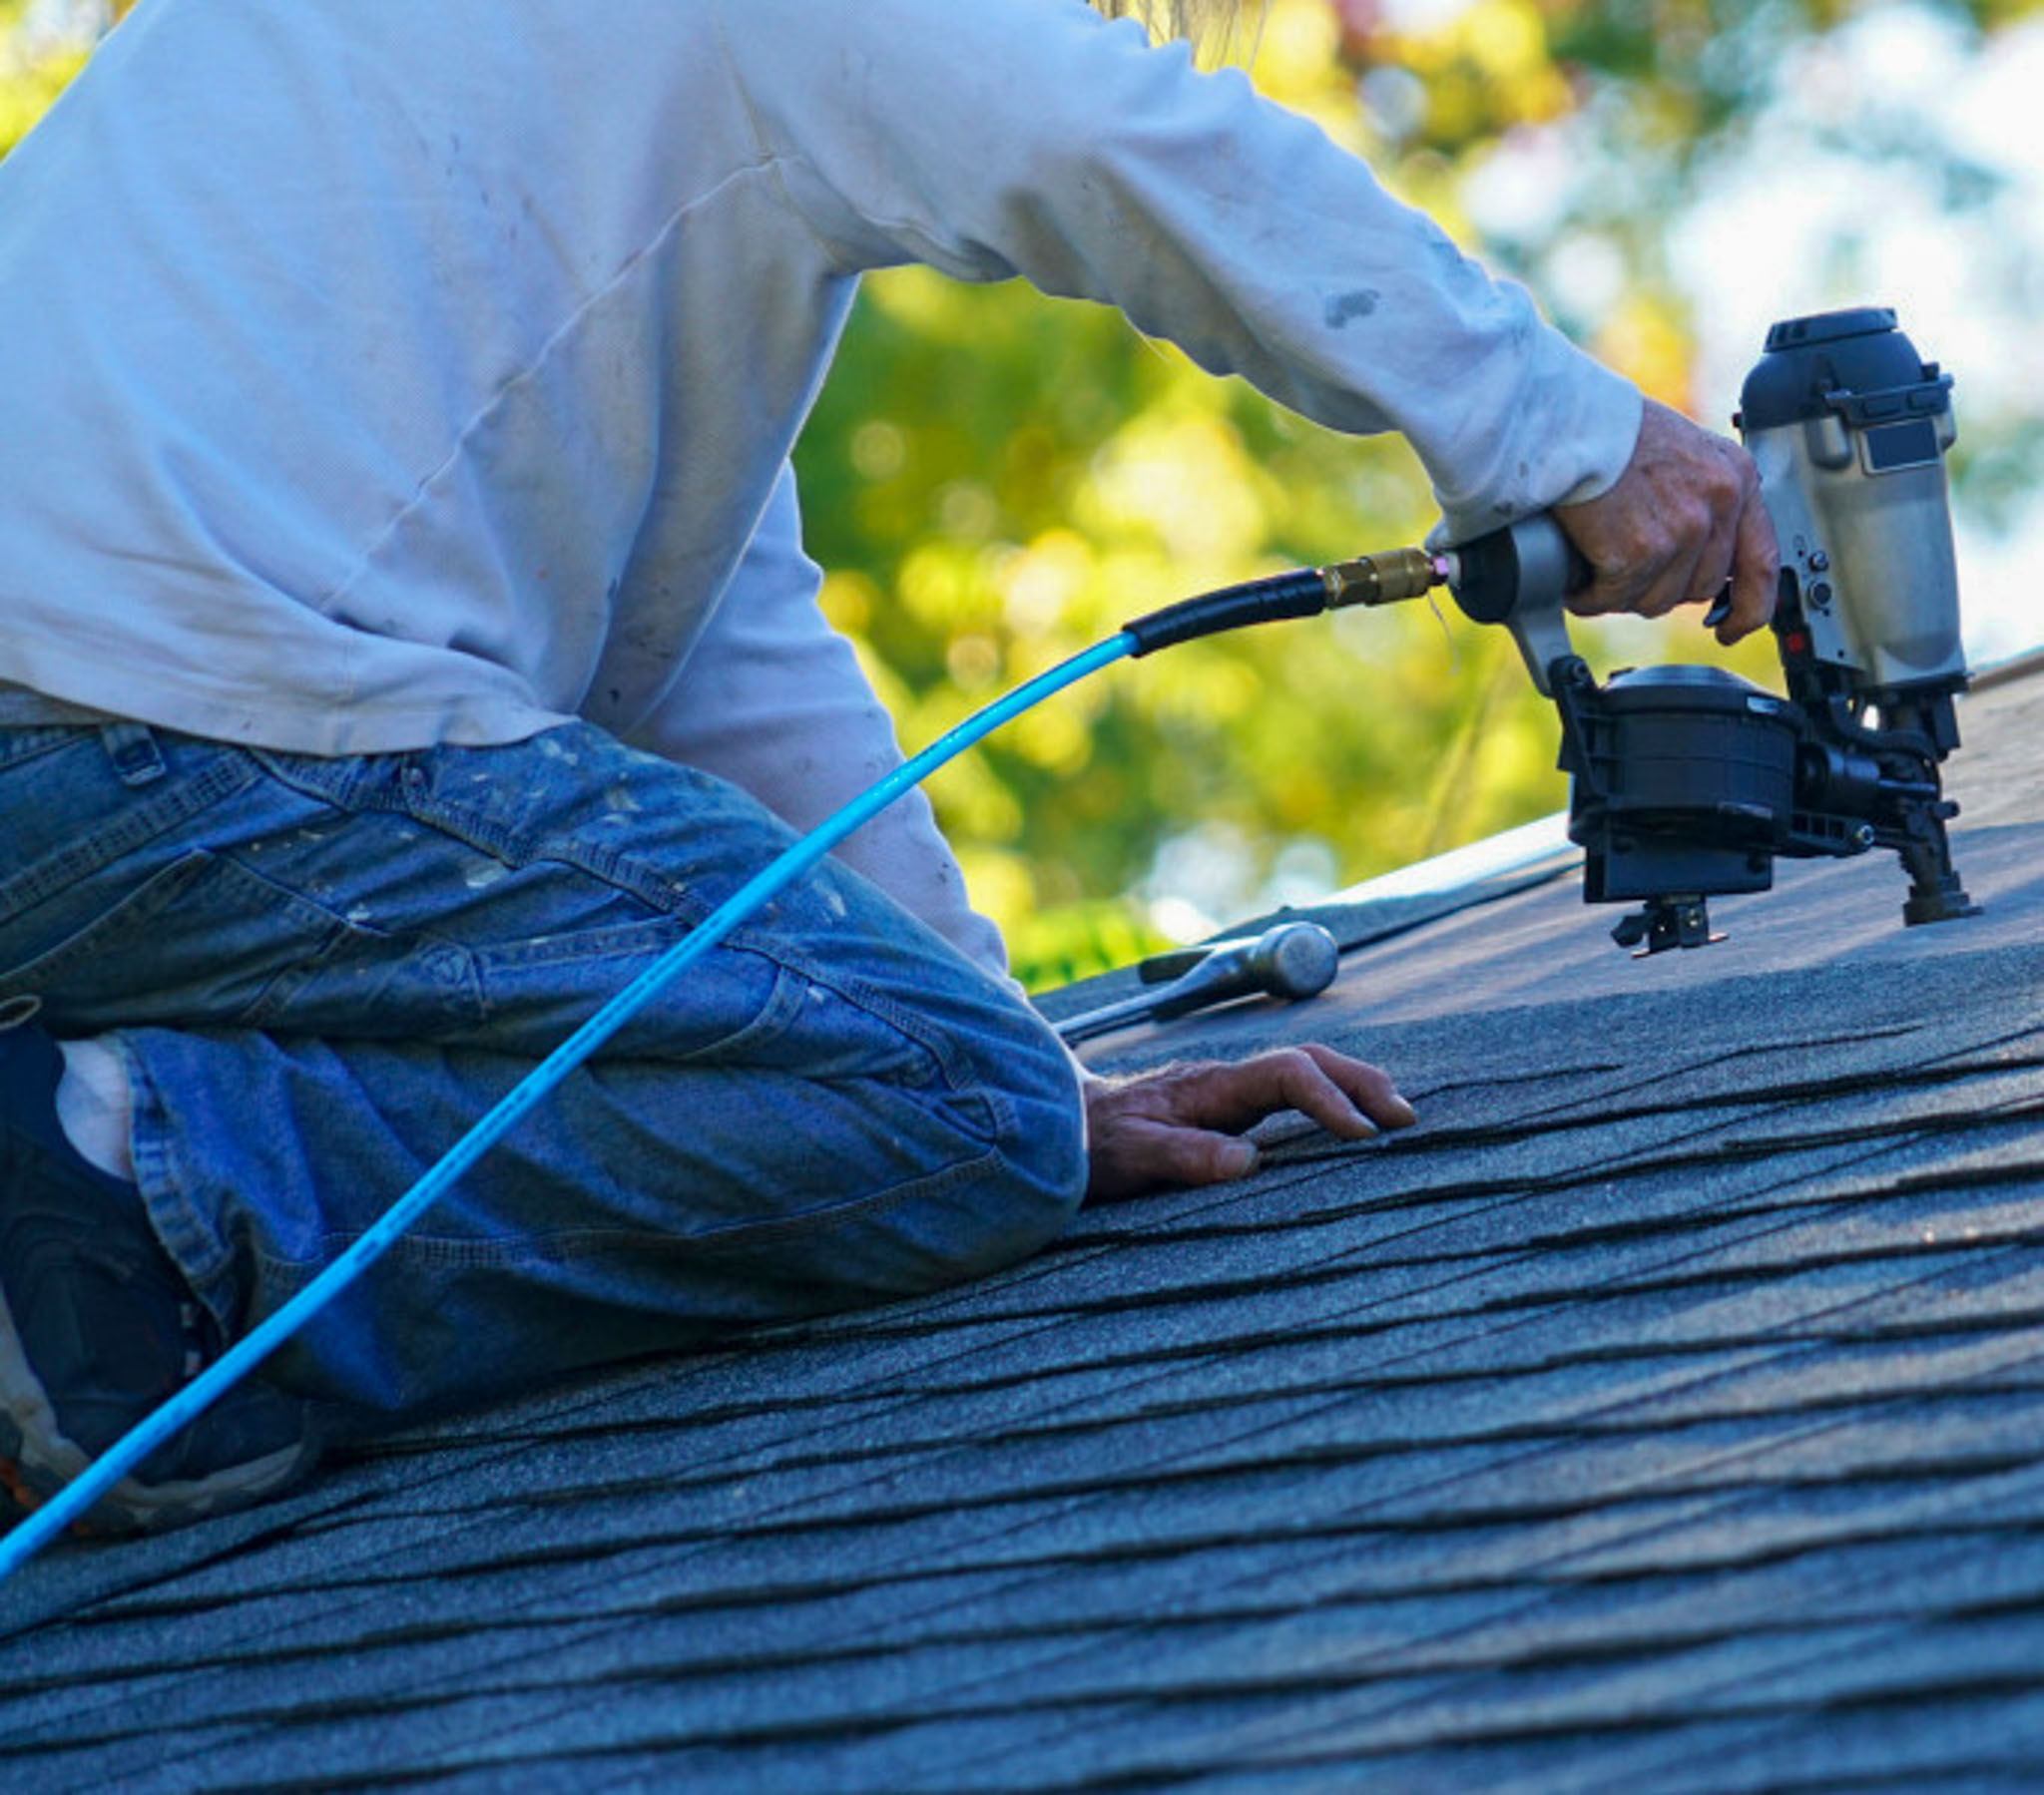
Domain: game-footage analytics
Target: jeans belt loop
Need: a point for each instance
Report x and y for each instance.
(132, 749)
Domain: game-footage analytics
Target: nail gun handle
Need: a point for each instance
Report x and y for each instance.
(1519, 577)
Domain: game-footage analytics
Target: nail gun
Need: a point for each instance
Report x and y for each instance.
(1689, 781)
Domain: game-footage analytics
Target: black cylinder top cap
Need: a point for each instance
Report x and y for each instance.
(1829, 326)
(1686, 687)
(1809, 359)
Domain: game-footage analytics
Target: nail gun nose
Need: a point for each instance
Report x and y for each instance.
(1292, 960)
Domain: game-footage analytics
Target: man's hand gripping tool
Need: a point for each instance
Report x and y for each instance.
(1688, 781)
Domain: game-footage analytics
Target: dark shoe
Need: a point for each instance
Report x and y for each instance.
(98, 1328)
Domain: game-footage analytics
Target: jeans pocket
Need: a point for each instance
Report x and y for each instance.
(205, 942)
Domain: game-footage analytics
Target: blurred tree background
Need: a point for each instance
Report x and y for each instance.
(996, 480)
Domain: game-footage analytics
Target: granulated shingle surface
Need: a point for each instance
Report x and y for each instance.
(1666, 1412)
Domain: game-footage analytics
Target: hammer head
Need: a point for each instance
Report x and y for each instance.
(1292, 960)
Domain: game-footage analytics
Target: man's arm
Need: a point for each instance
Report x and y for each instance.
(1015, 138)
(1011, 138)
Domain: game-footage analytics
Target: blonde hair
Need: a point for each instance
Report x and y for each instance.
(1207, 23)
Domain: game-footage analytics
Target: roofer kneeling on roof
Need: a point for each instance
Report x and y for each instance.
(408, 636)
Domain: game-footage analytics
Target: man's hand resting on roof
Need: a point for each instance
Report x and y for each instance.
(1183, 1124)
(1685, 517)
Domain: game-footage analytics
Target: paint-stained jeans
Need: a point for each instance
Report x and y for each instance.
(320, 973)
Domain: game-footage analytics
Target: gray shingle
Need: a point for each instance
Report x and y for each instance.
(1664, 1413)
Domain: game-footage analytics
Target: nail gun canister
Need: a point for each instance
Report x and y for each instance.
(1849, 427)
(1686, 781)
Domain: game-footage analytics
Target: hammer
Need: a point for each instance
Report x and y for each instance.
(1292, 960)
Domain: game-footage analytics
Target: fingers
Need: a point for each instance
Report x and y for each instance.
(1187, 1158)
(1183, 1126)
(1343, 1096)
(1129, 1152)
(1755, 573)
(1684, 522)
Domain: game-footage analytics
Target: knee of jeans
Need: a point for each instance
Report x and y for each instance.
(1020, 1195)
(1043, 1182)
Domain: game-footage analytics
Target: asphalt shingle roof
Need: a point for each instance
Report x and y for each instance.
(1666, 1412)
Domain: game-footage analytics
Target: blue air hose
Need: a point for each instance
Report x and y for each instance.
(1299, 593)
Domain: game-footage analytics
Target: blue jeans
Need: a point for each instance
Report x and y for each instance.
(318, 973)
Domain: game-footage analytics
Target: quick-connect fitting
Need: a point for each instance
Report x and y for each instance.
(1386, 578)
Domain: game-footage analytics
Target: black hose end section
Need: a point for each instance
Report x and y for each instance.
(1299, 593)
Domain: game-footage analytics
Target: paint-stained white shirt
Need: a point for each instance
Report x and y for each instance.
(375, 373)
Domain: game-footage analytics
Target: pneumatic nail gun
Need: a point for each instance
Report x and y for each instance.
(1689, 781)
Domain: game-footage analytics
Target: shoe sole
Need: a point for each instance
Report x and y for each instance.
(37, 1460)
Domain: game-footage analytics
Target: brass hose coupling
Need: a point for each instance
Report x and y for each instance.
(1385, 578)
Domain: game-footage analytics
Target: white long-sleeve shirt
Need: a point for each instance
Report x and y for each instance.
(376, 374)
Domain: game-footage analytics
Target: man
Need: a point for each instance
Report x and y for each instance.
(409, 638)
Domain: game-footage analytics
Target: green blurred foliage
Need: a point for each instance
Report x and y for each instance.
(995, 483)
(996, 480)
